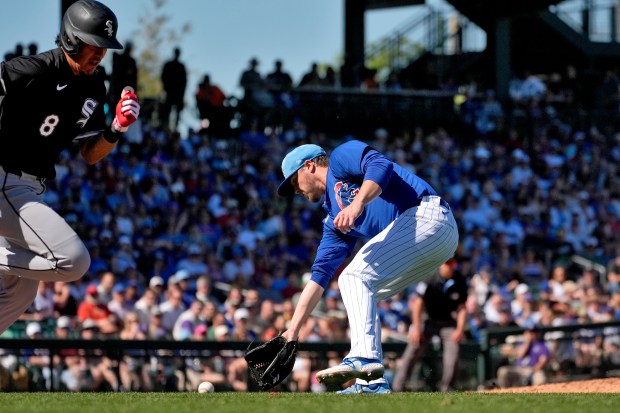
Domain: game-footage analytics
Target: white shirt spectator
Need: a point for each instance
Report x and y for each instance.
(187, 321)
(171, 309)
(44, 301)
(494, 307)
(249, 236)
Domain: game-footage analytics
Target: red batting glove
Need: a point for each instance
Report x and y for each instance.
(127, 110)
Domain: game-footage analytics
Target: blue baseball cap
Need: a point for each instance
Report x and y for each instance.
(293, 162)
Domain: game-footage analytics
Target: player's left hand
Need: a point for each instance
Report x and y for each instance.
(345, 220)
(127, 110)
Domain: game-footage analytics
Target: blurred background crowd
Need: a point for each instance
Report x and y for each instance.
(190, 242)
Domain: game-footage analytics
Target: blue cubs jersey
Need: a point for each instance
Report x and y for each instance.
(349, 165)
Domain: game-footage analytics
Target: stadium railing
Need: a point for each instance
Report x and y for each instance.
(478, 362)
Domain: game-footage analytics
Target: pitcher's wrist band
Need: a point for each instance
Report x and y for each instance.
(111, 135)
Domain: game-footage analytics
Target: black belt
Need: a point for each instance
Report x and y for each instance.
(22, 174)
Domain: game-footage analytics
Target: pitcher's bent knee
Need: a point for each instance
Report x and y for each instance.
(74, 263)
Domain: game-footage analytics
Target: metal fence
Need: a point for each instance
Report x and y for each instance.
(478, 362)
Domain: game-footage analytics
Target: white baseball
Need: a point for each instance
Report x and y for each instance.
(206, 387)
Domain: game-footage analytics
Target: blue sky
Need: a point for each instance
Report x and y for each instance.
(225, 33)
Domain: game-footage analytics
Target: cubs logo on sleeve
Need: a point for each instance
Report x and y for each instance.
(345, 193)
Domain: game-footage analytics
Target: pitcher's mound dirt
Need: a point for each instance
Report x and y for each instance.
(611, 385)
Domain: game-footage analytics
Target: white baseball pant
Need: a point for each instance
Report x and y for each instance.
(409, 250)
(36, 244)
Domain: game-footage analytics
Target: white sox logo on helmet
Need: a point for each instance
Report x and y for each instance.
(110, 28)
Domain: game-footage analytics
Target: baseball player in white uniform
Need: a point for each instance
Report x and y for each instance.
(47, 101)
(410, 230)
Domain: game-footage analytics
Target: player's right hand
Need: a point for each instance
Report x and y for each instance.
(127, 110)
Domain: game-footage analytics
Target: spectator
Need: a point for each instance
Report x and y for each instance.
(210, 101)
(241, 326)
(312, 78)
(554, 290)
(181, 281)
(265, 317)
(95, 311)
(493, 308)
(330, 78)
(119, 305)
(532, 358)
(146, 306)
(44, 301)
(613, 275)
(250, 81)
(490, 116)
(239, 269)
(187, 321)
(251, 301)
(124, 259)
(194, 262)
(204, 291)
(174, 81)
(279, 81)
(533, 270)
(33, 49)
(155, 328)
(105, 287)
(172, 307)
(65, 302)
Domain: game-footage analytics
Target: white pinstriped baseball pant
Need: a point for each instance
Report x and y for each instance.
(409, 250)
(36, 244)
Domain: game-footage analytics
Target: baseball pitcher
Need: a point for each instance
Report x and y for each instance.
(411, 232)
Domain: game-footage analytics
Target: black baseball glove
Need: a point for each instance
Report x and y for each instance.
(271, 362)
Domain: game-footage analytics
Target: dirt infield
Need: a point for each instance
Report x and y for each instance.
(611, 385)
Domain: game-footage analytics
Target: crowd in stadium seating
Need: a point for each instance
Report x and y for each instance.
(189, 242)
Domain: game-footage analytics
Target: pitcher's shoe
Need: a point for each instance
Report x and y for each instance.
(351, 368)
(375, 388)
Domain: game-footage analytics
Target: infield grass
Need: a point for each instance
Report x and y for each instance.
(307, 402)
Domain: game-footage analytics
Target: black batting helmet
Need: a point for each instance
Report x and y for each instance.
(90, 22)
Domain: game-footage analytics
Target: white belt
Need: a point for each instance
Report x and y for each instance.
(437, 200)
